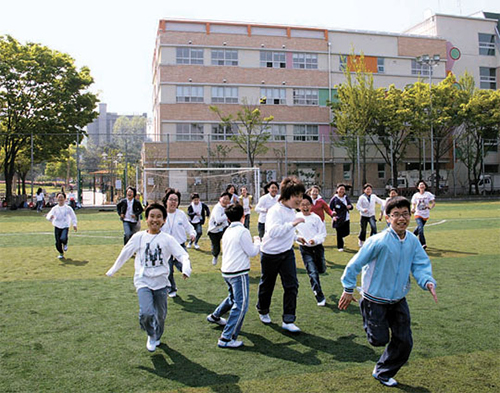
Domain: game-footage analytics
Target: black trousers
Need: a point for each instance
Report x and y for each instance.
(343, 230)
(215, 239)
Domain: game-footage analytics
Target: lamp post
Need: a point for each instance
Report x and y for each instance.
(430, 62)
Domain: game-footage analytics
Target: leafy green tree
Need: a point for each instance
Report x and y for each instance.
(128, 136)
(250, 128)
(43, 94)
(64, 167)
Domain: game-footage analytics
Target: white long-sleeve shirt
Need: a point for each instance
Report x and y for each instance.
(280, 233)
(63, 216)
(237, 249)
(218, 219)
(364, 203)
(152, 253)
(178, 225)
(265, 203)
(313, 228)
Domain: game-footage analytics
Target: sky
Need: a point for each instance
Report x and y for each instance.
(116, 38)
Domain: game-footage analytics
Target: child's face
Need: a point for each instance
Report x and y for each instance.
(243, 191)
(60, 199)
(294, 201)
(130, 195)
(314, 193)
(224, 201)
(305, 207)
(273, 190)
(172, 202)
(421, 187)
(368, 190)
(399, 218)
(155, 220)
(341, 191)
(196, 200)
(393, 193)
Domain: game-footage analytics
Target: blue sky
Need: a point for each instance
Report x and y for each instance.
(116, 38)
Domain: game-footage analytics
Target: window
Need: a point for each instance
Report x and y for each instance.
(381, 171)
(346, 168)
(189, 94)
(272, 59)
(491, 168)
(221, 133)
(342, 62)
(487, 78)
(380, 65)
(272, 96)
(420, 69)
(189, 56)
(486, 44)
(224, 95)
(305, 133)
(278, 132)
(189, 132)
(305, 60)
(305, 97)
(227, 57)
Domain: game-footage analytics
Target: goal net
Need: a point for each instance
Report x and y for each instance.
(209, 183)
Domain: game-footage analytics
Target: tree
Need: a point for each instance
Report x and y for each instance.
(43, 96)
(129, 135)
(250, 129)
(64, 167)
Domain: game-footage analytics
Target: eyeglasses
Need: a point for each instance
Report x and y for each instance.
(398, 215)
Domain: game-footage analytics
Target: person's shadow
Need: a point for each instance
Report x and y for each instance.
(189, 373)
(69, 261)
(194, 305)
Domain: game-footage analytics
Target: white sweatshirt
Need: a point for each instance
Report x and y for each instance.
(265, 203)
(237, 248)
(218, 219)
(63, 216)
(152, 253)
(178, 225)
(312, 229)
(280, 233)
(364, 203)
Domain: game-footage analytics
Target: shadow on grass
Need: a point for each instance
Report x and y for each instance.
(190, 373)
(439, 253)
(69, 261)
(333, 265)
(408, 388)
(333, 302)
(194, 305)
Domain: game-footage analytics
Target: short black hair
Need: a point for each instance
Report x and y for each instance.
(425, 184)
(366, 185)
(229, 187)
(195, 195)
(234, 212)
(307, 197)
(132, 189)
(62, 193)
(158, 206)
(291, 186)
(268, 185)
(225, 193)
(170, 191)
(399, 202)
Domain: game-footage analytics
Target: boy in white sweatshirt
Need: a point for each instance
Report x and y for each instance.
(311, 235)
(237, 248)
(61, 216)
(366, 207)
(152, 249)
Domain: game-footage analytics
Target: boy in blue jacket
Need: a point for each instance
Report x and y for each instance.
(386, 261)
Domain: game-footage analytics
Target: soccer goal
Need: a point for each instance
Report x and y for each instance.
(209, 183)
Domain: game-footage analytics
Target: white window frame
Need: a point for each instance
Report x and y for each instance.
(306, 97)
(221, 133)
(308, 61)
(421, 69)
(380, 65)
(278, 132)
(185, 132)
(189, 55)
(486, 46)
(189, 94)
(225, 95)
(269, 59)
(224, 57)
(305, 133)
(487, 81)
(272, 96)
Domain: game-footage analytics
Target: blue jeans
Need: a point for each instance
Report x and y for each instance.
(314, 261)
(419, 230)
(364, 222)
(199, 231)
(237, 303)
(130, 228)
(246, 224)
(378, 319)
(152, 310)
(61, 235)
(39, 206)
(171, 263)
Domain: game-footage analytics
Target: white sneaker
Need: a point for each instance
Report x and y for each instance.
(151, 344)
(189, 245)
(229, 344)
(172, 294)
(214, 261)
(217, 321)
(360, 243)
(322, 303)
(291, 327)
(265, 319)
(60, 256)
(196, 247)
(341, 249)
(65, 247)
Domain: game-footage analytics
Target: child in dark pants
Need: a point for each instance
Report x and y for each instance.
(386, 261)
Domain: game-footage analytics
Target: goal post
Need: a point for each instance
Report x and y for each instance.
(209, 183)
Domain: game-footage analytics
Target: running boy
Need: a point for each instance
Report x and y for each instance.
(217, 224)
(386, 261)
(311, 235)
(61, 216)
(366, 207)
(237, 248)
(152, 249)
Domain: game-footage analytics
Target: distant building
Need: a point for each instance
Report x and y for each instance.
(101, 129)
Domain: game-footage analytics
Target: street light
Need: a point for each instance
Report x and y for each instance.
(430, 62)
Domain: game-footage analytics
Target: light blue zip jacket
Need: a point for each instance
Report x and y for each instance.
(386, 262)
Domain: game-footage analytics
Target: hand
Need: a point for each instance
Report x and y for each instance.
(345, 300)
(312, 242)
(298, 221)
(133, 216)
(184, 276)
(192, 238)
(365, 211)
(432, 290)
(335, 218)
(51, 217)
(122, 216)
(74, 227)
(301, 240)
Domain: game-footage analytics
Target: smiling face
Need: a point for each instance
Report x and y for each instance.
(341, 191)
(273, 190)
(314, 193)
(393, 194)
(399, 219)
(172, 203)
(421, 187)
(294, 201)
(305, 207)
(224, 201)
(155, 221)
(61, 199)
(368, 190)
(130, 194)
(243, 191)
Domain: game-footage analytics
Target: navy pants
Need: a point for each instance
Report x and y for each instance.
(261, 227)
(61, 235)
(215, 239)
(314, 261)
(378, 321)
(364, 222)
(419, 230)
(343, 230)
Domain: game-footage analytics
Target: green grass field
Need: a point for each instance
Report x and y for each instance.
(66, 327)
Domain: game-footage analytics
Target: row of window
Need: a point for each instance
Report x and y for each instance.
(194, 132)
(486, 44)
(229, 95)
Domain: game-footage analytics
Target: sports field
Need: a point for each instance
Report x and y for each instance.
(66, 327)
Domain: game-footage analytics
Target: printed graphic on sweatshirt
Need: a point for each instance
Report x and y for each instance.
(153, 257)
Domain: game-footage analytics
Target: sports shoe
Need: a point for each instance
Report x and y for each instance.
(322, 303)
(341, 249)
(229, 344)
(172, 294)
(65, 247)
(424, 246)
(189, 245)
(291, 327)
(214, 261)
(196, 247)
(218, 321)
(391, 382)
(60, 256)
(265, 319)
(360, 243)
(151, 344)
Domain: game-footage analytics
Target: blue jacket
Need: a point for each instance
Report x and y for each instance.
(386, 262)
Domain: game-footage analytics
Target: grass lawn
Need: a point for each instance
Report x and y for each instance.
(66, 327)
